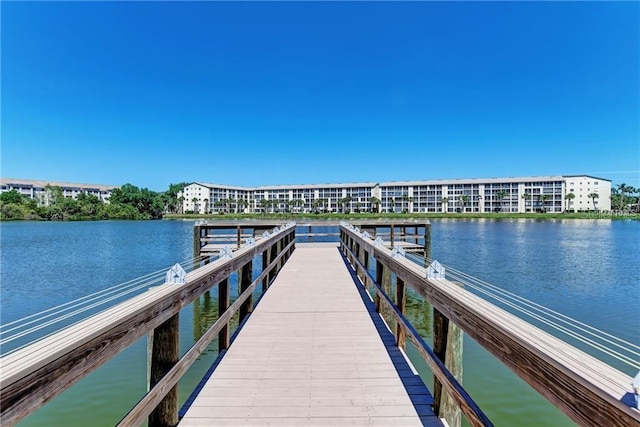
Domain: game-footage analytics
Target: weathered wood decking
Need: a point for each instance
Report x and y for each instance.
(313, 354)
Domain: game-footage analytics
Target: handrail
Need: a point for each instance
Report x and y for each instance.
(586, 389)
(473, 412)
(148, 403)
(33, 375)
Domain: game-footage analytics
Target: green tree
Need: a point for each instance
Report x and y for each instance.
(344, 202)
(568, 197)
(542, 198)
(11, 196)
(172, 198)
(593, 197)
(464, 199)
(242, 203)
(500, 195)
(264, 204)
(375, 204)
(622, 189)
(445, 202)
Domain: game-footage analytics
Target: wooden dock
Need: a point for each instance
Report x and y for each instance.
(313, 353)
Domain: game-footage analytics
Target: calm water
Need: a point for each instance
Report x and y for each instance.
(587, 269)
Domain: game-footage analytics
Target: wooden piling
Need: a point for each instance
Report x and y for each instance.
(197, 230)
(447, 345)
(223, 304)
(165, 354)
(401, 302)
(265, 263)
(427, 243)
(379, 273)
(246, 274)
(392, 231)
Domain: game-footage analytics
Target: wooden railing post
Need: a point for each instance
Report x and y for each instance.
(265, 263)
(447, 345)
(401, 302)
(273, 253)
(379, 273)
(246, 275)
(164, 355)
(197, 235)
(392, 232)
(223, 304)
(427, 242)
(278, 250)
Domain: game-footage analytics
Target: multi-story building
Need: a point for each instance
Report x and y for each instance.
(524, 194)
(38, 190)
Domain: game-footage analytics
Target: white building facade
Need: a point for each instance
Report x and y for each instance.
(513, 195)
(37, 190)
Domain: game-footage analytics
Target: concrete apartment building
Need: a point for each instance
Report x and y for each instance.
(37, 190)
(515, 195)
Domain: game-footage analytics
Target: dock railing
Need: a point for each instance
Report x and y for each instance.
(35, 374)
(586, 389)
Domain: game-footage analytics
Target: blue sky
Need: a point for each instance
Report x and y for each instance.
(243, 93)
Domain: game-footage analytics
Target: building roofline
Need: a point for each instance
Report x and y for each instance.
(586, 176)
(43, 183)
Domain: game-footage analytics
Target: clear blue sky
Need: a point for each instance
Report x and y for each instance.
(243, 93)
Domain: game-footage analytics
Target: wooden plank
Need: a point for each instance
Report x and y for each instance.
(300, 360)
(589, 391)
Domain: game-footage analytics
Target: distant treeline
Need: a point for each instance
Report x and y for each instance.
(126, 202)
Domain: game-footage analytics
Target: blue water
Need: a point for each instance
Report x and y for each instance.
(587, 269)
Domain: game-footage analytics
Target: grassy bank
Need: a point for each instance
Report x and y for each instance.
(361, 216)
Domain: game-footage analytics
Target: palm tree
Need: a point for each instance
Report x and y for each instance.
(393, 204)
(501, 194)
(230, 202)
(593, 197)
(180, 204)
(568, 198)
(479, 197)
(463, 199)
(406, 199)
(195, 201)
(543, 198)
(375, 203)
(243, 204)
(445, 201)
(315, 204)
(297, 203)
(622, 188)
(345, 201)
(264, 204)
(526, 197)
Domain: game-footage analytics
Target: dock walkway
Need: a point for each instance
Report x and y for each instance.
(313, 353)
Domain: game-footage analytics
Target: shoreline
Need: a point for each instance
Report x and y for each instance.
(365, 216)
(402, 216)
